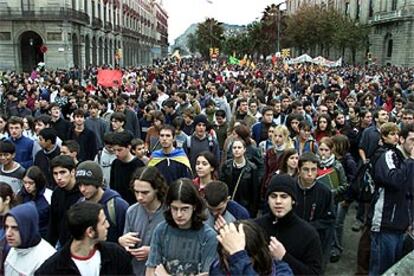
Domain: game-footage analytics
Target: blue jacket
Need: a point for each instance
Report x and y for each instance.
(24, 151)
(237, 210)
(28, 222)
(42, 206)
(241, 264)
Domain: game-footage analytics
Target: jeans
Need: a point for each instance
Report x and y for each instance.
(341, 212)
(386, 250)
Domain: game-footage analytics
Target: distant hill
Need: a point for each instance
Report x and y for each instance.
(181, 41)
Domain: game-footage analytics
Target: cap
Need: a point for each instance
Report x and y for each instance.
(282, 183)
(200, 119)
(90, 173)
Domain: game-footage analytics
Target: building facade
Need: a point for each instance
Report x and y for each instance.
(391, 23)
(67, 33)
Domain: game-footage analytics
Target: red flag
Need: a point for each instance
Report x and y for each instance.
(109, 78)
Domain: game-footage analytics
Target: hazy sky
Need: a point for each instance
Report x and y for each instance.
(182, 13)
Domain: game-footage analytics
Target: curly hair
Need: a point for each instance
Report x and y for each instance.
(184, 190)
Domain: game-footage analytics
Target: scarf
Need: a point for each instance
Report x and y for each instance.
(280, 148)
(326, 163)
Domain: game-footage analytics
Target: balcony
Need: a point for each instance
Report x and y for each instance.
(44, 14)
(117, 29)
(108, 27)
(129, 32)
(96, 23)
(392, 16)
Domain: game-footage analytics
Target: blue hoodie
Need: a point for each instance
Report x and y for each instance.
(27, 220)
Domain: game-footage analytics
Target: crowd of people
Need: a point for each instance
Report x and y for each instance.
(192, 168)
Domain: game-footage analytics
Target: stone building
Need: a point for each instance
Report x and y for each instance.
(391, 25)
(67, 33)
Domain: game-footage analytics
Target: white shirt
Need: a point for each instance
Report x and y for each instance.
(89, 266)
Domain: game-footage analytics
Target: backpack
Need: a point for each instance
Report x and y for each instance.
(366, 177)
(110, 206)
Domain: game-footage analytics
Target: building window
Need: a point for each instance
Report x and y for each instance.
(5, 36)
(389, 48)
(104, 11)
(358, 9)
(93, 9)
(394, 5)
(99, 10)
(27, 5)
(371, 9)
(85, 6)
(347, 8)
(74, 4)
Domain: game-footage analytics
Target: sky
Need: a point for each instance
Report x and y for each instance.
(182, 13)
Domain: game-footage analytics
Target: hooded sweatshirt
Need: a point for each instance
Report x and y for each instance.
(33, 250)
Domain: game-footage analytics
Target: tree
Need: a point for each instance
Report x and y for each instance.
(209, 34)
(192, 43)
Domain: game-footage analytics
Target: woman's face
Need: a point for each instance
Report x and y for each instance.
(203, 167)
(2, 123)
(25, 124)
(157, 123)
(270, 133)
(29, 185)
(351, 113)
(238, 149)
(368, 101)
(278, 138)
(324, 151)
(304, 134)
(293, 161)
(295, 125)
(323, 124)
(340, 119)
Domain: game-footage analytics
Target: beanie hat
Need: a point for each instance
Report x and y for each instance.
(282, 183)
(89, 173)
(200, 119)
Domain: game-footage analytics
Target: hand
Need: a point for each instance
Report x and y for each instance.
(277, 249)
(219, 223)
(141, 254)
(232, 239)
(161, 271)
(128, 240)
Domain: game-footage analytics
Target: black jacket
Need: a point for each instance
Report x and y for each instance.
(114, 261)
(61, 202)
(42, 160)
(316, 206)
(247, 190)
(300, 239)
(87, 142)
(62, 128)
(392, 205)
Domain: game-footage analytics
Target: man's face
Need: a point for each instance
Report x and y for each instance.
(6, 158)
(323, 109)
(166, 138)
(200, 129)
(93, 111)
(367, 119)
(407, 143)
(63, 176)
(120, 107)
(101, 229)
(268, 117)
(243, 108)
(116, 124)
(88, 191)
(219, 209)
(253, 108)
(43, 103)
(219, 120)
(55, 112)
(15, 130)
(139, 151)
(299, 110)
(285, 103)
(407, 119)
(308, 172)
(12, 232)
(350, 102)
(144, 193)
(280, 204)
(39, 125)
(121, 153)
(79, 120)
(43, 143)
(382, 117)
(277, 108)
(392, 138)
(182, 213)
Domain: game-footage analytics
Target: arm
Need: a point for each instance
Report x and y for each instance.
(310, 263)
(52, 233)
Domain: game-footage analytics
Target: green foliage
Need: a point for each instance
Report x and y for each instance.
(209, 34)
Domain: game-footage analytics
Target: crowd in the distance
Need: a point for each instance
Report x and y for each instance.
(193, 168)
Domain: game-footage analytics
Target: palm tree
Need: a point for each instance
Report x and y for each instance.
(209, 35)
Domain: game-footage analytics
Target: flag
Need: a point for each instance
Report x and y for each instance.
(109, 78)
(233, 60)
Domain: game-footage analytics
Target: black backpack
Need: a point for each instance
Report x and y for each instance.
(365, 179)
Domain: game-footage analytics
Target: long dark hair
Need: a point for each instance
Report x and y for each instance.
(36, 174)
(211, 159)
(329, 129)
(7, 191)
(154, 177)
(184, 190)
(285, 157)
(256, 247)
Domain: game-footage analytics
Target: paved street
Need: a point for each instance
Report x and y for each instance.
(347, 263)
